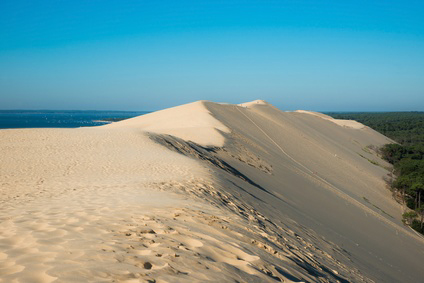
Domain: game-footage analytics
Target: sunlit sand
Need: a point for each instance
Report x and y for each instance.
(202, 192)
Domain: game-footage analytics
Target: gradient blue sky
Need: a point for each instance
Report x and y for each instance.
(148, 55)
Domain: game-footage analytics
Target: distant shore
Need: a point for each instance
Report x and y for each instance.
(15, 119)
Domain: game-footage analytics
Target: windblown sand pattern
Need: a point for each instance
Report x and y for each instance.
(203, 192)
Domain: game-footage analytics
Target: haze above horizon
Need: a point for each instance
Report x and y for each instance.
(150, 55)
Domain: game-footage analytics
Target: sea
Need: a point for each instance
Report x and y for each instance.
(13, 119)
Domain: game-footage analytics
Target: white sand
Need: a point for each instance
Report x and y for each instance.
(202, 192)
(191, 122)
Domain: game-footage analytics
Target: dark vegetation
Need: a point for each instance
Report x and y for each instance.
(407, 178)
(407, 128)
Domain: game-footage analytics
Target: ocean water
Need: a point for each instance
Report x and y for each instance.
(12, 119)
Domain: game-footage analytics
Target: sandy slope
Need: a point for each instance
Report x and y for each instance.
(202, 192)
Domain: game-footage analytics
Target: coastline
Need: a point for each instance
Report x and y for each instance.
(201, 192)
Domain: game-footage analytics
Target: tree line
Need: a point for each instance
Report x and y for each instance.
(407, 157)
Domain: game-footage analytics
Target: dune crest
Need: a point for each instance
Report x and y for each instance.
(253, 103)
(203, 192)
(344, 123)
(191, 121)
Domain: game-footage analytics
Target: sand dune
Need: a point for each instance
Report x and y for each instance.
(202, 192)
(345, 123)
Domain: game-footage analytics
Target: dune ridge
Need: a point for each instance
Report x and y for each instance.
(202, 192)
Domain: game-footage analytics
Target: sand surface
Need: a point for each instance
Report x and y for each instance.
(202, 192)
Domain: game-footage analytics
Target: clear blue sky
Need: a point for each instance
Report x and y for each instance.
(147, 55)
